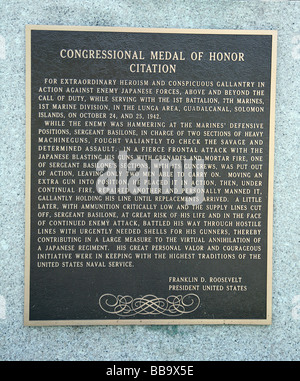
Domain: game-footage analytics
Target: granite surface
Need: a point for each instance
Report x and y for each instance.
(279, 341)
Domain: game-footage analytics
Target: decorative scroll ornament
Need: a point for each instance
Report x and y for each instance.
(126, 306)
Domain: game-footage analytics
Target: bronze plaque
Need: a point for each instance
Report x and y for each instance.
(149, 178)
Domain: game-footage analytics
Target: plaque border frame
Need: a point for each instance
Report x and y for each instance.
(186, 321)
